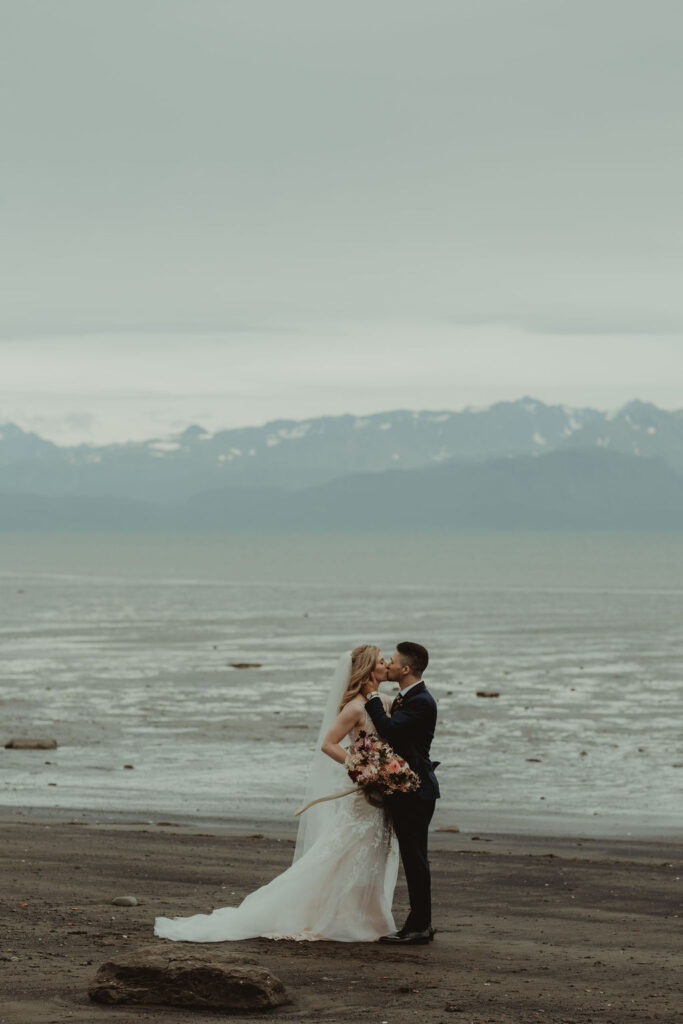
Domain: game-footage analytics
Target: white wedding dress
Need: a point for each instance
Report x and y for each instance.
(341, 888)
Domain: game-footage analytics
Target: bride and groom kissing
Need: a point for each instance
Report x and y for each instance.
(341, 882)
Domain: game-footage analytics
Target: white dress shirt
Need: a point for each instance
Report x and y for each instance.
(409, 688)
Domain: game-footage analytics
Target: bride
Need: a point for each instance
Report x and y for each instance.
(341, 882)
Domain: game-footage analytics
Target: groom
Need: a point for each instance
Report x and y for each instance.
(410, 730)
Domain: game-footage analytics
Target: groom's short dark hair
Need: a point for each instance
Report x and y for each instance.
(414, 655)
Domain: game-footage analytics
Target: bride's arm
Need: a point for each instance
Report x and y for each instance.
(345, 721)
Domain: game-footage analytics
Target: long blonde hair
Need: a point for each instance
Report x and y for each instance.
(363, 661)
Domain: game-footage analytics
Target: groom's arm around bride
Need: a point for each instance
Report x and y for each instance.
(410, 730)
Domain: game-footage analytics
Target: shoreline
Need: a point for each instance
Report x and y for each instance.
(545, 827)
(608, 849)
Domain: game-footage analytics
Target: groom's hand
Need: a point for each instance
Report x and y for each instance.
(369, 689)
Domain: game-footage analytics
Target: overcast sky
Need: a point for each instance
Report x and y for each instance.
(225, 211)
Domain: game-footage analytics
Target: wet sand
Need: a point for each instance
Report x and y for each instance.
(564, 931)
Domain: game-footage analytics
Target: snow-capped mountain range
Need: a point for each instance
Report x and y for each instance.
(297, 454)
(515, 465)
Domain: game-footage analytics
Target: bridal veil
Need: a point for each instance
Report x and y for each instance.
(324, 774)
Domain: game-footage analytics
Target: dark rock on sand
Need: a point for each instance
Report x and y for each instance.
(488, 693)
(31, 743)
(245, 664)
(199, 979)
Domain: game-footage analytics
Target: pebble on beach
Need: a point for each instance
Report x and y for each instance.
(124, 901)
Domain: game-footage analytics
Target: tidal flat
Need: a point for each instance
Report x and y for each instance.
(122, 647)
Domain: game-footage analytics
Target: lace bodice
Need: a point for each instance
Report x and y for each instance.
(367, 725)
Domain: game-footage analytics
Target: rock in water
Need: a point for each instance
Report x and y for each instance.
(31, 743)
(185, 976)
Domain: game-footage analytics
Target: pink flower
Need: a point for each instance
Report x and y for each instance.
(372, 762)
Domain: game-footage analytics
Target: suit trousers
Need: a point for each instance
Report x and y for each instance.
(411, 817)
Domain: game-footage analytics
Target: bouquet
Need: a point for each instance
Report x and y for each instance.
(374, 768)
(373, 765)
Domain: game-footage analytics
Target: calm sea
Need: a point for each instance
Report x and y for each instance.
(121, 647)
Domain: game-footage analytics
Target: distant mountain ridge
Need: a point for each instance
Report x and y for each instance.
(295, 454)
(517, 464)
(564, 490)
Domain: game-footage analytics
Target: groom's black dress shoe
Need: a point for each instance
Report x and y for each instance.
(406, 938)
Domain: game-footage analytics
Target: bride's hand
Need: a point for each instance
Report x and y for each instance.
(369, 687)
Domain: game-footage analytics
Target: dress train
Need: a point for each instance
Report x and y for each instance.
(341, 889)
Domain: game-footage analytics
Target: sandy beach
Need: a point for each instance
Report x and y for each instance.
(565, 931)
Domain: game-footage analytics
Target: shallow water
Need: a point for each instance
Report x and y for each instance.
(120, 647)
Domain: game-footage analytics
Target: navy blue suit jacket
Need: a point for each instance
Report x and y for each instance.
(410, 731)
